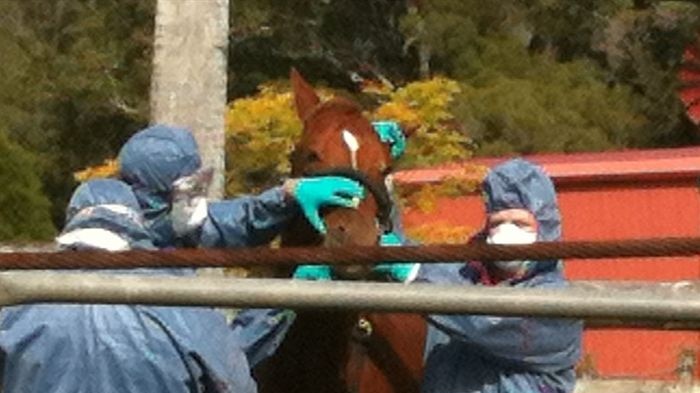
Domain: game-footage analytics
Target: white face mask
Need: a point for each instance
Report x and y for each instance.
(509, 233)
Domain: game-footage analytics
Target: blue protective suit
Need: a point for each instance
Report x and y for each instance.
(152, 159)
(115, 348)
(472, 353)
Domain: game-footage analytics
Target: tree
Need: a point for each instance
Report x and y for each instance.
(189, 75)
(77, 85)
(335, 42)
(557, 76)
(643, 49)
(543, 105)
(260, 133)
(25, 213)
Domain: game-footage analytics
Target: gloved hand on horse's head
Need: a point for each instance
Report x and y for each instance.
(395, 271)
(314, 193)
(313, 272)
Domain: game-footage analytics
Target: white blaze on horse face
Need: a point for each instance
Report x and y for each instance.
(353, 145)
(389, 183)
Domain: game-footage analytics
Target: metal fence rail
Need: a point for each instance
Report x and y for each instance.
(666, 305)
(351, 255)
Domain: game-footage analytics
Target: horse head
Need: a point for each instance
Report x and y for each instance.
(339, 140)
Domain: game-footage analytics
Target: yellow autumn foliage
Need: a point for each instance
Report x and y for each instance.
(441, 233)
(260, 134)
(109, 168)
(425, 106)
(465, 181)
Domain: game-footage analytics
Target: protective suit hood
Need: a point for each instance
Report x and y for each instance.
(155, 157)
(520, 184)
(102, 212)
(150, 162)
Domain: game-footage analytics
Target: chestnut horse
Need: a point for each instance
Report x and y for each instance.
(342, 352)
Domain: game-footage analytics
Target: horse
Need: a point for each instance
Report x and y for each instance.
(341, 352)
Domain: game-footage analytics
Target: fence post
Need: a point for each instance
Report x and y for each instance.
(188, 85)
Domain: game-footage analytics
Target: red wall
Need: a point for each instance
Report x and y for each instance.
(615, 210)
(626, 212)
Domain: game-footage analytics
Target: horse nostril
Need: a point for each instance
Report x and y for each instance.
(341, 229)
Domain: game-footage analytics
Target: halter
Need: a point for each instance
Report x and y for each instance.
(378, 190)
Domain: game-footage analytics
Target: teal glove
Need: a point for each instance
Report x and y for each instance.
(314, 193)
(313, 272)
(390, 132)
(401, 272)
(390, 239)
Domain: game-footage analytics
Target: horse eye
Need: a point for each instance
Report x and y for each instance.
(312, 156)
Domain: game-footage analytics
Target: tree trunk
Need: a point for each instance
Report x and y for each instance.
(188, 85)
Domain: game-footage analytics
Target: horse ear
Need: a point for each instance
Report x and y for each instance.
(305, 98)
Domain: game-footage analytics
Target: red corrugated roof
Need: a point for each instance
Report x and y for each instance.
(578, 167)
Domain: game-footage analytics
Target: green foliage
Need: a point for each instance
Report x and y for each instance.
(568, 28)
(328, 41)
(25, 210)
(74, 82)
(543, 105)
(643, 49)
(558, 75)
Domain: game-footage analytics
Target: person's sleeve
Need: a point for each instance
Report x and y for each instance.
(260, 332)
(248, 220)
(536, 344)
(441, 273)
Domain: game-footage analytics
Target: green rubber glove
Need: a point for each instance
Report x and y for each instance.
(390, 239)
(401, 272)
(313, 272)
(390, 132)
(314, 193)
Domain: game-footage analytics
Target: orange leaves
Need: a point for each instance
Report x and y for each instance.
(441, 233)
(109, 168)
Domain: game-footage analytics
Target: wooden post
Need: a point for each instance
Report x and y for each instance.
(188, 85)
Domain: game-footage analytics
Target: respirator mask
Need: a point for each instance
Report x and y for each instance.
(509, 233)
(189, 202)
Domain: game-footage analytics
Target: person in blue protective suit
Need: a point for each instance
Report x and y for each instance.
(472, 353)
(163, 166)
(117, 348)
(160, 159)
